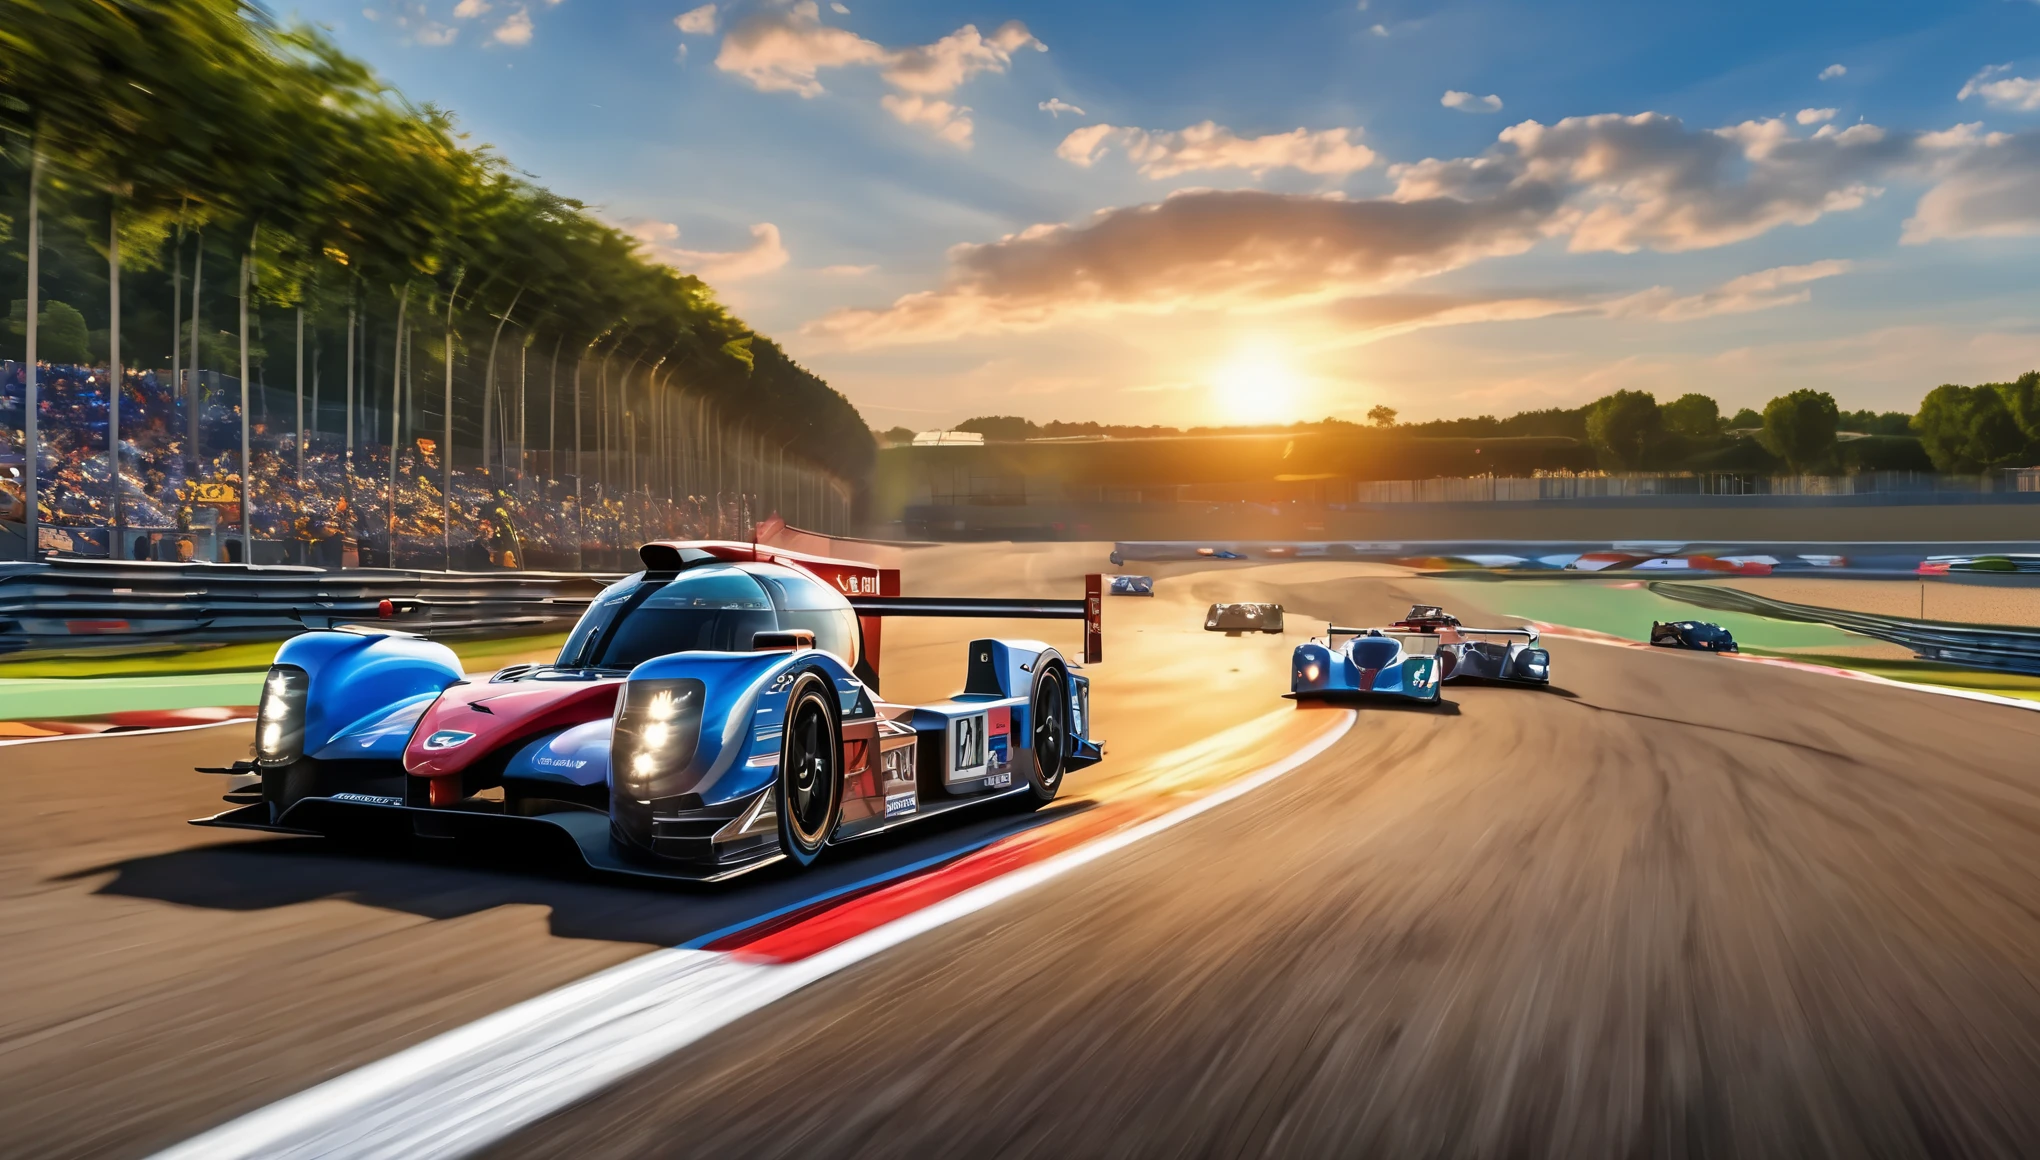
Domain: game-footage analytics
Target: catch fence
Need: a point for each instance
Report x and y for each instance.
(330, 493)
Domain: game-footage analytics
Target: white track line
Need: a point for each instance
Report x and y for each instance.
(1589, 636)
(126, 732)
(466, 1089)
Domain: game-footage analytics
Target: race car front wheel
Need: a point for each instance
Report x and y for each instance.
(810, 789)
(1049, 722)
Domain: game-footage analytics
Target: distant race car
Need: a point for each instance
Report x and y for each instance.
(713, 713)
(1130, 586)
(1369, 663)
(1693, 634)
(1236, 618)
(1508, 654)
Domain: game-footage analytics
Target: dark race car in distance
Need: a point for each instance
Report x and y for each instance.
(1692, 634)
(1233, 619)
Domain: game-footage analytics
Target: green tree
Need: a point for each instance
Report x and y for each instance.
(2022, 398)
(1745, 420)
(1694, 416)
(1967, 429)
(1623, 426)
(897, 436)
(1800, 429)
(1381, 415)
(1001, 428)
(62, 335)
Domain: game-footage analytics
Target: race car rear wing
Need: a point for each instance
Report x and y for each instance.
(874, 593)
(1090, 610)
(1526, 633)
(1416, 644)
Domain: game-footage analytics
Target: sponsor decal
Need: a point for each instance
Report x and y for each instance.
(560, 762)
(967, 747)
(999, 723)
(448, 739)
(370, 799)
(999, 781)
(900, 803)
(851, 584)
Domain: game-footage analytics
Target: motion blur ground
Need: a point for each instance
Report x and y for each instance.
(1676, 905)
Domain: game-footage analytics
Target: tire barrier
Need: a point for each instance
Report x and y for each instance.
(73, 605)
(1973, 646)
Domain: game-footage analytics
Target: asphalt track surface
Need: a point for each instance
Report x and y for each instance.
(1678, 906)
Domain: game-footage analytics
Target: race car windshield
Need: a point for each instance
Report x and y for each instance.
(1373, 652)
(714, 607)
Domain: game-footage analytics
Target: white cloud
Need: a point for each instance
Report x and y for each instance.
(1468, 103)
(1987, 190)
(1832, 71)
(1763, 290)
(2020, 94)
(947, 121)
(1814, 116)
(1056, 107)
(1379, 30)
(943, 66)
(469, 9)
(1603, 183)
(1209, 146)
(418, 26)
(846, 271)
(514, 31)
(697, 21)
(785, 50)
(1232, 249)
(1648, 181)
(839, 8)
(661, 240)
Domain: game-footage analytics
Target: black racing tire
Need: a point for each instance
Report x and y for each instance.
(809, 792)
(1048, 723)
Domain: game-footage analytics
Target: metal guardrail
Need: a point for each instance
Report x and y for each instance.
(2011, 650)
(81, 604)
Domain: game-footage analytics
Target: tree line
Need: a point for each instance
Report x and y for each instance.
(1956, 429)
(210, 163)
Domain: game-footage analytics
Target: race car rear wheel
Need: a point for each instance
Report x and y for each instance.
(1049, 727)
(810, 789)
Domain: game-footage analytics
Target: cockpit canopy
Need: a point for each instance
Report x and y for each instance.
(1374, 651)
(708, 607)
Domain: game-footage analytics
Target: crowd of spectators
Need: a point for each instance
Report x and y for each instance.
(502, 518)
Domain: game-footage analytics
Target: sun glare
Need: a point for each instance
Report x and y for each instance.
(1257, 386)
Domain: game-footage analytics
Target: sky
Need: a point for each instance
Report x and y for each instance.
(1193, 213)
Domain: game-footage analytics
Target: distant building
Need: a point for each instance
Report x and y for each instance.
(949, 439)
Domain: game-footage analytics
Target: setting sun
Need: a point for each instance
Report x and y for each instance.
(1257, 386)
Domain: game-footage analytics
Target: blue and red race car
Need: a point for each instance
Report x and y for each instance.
(716, 712)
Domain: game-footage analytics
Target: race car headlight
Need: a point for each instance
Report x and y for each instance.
(657, 727)
(280, 718)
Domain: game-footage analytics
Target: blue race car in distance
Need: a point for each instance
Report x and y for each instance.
(1692, 634)
(716, 712)
(1368, 664)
